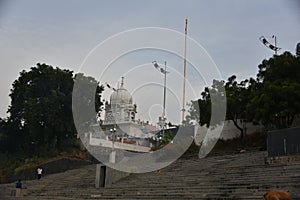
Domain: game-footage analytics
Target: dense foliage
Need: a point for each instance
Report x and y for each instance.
(272, 98)
(40, 115)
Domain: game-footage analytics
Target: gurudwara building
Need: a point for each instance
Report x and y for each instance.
(121, 108)
(120, 122)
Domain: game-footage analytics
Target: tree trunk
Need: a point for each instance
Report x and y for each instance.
(240, 128)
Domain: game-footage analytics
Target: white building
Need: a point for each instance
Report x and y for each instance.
(120, 115)
(121, 108)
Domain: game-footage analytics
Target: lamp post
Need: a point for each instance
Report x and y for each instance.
(164, 71)
(165, 83)
(113, 135)
(112, 157)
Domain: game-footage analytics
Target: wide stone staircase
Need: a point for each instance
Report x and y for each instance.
(232, 176)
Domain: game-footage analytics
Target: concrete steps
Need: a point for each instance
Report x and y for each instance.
(238, 176)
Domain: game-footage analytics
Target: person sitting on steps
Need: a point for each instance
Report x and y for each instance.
(19, 184)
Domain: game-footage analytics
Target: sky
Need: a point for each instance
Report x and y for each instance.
(108, 39)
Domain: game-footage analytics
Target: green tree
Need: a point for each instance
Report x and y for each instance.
(276, 103)
(237, 99)
(200, 110)
(203, 106)
(298, 49)
(3, 135)
(167, 137)
(271, 99)
(41, 108)
(87, 104)
(279, 68)
(11, 138)
(41, 105)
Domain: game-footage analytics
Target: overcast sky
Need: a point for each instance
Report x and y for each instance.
(63, 34)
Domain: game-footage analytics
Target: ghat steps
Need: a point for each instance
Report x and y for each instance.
(234, 176)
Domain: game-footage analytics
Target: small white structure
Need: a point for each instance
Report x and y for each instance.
(120, 125)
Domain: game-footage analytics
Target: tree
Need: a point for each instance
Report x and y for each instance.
(167, 137)
(203, 106)
(41, 105)
(271, 99)
(41, 108)
(201, 110)
(298, 49)
(11, 138)
(276, 102)
(279, 68)
(276, 105)
(237, 99)
(87, 104)
(3, 135)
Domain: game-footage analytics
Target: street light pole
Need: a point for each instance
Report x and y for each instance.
(164, 71)
(165, 83)
(275, 44)
(112, 157)
(275, 48)
(164, 111)
(113, 136)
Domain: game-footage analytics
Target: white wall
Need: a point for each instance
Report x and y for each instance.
(229, 130)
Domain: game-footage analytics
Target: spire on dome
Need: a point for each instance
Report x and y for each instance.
(122, 82)
(121, 95)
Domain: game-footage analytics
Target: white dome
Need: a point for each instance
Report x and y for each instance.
(120, 96)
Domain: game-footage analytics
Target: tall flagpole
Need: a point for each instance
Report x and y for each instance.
(184, 73)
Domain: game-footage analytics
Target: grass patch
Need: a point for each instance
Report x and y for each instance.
(16, 164)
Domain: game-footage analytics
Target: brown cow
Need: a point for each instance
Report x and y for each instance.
(277, 195)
